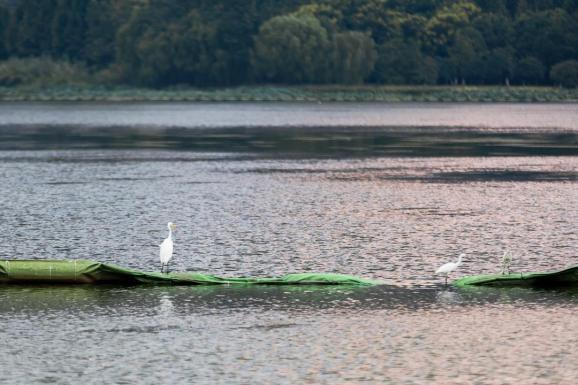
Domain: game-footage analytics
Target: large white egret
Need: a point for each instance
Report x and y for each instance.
(166, 252)
(447, 268)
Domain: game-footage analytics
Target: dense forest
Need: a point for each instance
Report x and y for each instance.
(160, 43)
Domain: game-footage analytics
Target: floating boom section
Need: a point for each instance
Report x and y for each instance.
(91, 272)
(566, 277)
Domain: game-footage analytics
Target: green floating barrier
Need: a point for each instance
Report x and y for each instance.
(566, 277)
(91, 272)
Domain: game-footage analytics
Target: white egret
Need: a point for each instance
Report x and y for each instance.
(506, 262)
(166, 252)
(447, 268)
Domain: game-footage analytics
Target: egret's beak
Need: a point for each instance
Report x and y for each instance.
(173, 226)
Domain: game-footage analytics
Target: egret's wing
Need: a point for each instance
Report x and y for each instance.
(444, 268)
(166, 250)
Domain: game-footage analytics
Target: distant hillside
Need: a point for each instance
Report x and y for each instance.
(9, 3)
(234, 42)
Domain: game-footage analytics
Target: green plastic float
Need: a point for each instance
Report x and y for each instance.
(565, 277)
(91, 272)
(79, 271)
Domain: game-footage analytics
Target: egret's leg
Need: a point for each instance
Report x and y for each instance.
(446, 280)
(162, 266)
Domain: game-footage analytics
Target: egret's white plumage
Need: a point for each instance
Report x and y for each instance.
(166, 248)
(447, 268)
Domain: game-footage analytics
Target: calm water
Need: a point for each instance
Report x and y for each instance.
(326, 198)
(213, 115)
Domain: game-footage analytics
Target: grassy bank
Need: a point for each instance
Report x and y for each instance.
(293, 94)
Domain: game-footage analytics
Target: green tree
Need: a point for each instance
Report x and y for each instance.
(493, 6)
(497, 67)
(29, 31)
(69, 29)
(447, 72)
(4, 17)
(225, 42)
(292, 49)
(565, 73)
(384, 19)
(40, 71)
(145, 22)
(353, 57)
(441, 29)
(375, 16)
(181, 52)
(570, 5)
(197, 59)
(402, 62)
(422, 7)
(126, 52)
(237, 24)
(550, 36)
(330, 18)
(529, 70)
(467, 55)
(497, 30)
(103, 20)
(521, 8)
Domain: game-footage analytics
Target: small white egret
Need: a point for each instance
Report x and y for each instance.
(447, 268)
(506, 262)
(166, 252)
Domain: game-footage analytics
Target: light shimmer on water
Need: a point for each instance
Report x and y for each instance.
(390, 218)
(196, 115)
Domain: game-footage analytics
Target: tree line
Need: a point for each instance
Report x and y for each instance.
(230, 42)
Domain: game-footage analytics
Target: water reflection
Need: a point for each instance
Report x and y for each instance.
(462, 176)
(312, 334)
(448, 297)
(291, 142)
(166, 306)
(275, 115)
(268, 202)
(167, 302)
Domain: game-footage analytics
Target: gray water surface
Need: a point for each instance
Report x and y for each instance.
(254, 211)
(212, 115)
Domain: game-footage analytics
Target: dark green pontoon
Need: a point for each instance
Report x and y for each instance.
(91, 272)
(566, 277)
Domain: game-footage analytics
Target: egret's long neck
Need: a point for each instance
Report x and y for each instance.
(460, 260)
(170, 234)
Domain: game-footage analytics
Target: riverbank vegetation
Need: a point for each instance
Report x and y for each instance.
(57, 45)
(312, 93)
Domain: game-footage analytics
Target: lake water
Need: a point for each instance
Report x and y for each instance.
(380, 191)
(213, 115)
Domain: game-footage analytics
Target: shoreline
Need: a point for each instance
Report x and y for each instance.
(306, 94)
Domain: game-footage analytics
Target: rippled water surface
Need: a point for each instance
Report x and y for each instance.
(257, 211)
(212, 115)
